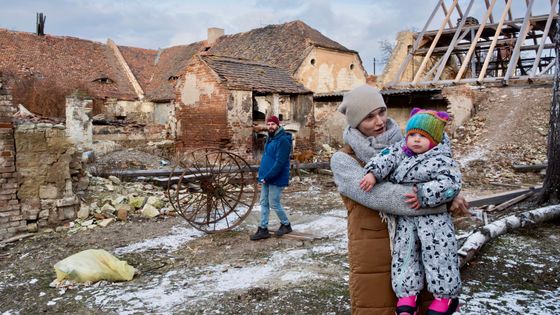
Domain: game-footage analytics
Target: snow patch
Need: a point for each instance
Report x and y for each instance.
(171, 242)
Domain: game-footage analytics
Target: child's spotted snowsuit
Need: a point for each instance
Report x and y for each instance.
(423, 246)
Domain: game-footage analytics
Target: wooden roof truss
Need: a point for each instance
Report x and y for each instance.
(482, 50)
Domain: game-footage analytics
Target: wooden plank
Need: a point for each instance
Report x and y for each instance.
(434, 43)
(494, 40)
(501, 197)
(474, 42)
(520, 40)
(512, 201)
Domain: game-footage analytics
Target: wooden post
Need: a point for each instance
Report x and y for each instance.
(445, 12)
(452, 44)
(520, 40)
(543, 38)
(434, 43)
(415, 46)
(494, 40)
(474, 42)
(491, 17)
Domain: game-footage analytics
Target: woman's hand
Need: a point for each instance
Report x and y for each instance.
(412, 199)
(459, 206)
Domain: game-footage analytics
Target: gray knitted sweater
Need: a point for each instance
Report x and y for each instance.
(385, 197)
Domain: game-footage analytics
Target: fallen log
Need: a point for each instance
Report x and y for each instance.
(475, 242)
(529, 168)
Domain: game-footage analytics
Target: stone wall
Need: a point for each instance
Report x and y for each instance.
(50, 170)
(11, 218)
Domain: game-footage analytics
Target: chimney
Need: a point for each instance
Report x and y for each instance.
(41, 24)
(213, 34)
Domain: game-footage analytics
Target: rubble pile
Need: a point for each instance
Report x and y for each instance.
(108, 200)
(506, 130)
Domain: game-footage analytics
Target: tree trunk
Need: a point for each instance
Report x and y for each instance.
(551, 185)
(475, 241)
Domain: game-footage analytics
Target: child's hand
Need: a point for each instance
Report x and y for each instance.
(367, 183)
(413, 199)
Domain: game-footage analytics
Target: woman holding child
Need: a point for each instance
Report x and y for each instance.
(369, 248)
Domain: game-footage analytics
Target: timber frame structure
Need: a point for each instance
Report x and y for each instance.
(481, 50)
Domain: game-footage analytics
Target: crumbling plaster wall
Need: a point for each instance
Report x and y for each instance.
(240, 119)
(79, 126)
(461, 105)
(325, 70)
(143, 112)
(404, 43)
(329, 123)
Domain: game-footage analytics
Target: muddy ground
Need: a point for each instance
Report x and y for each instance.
(184, 271)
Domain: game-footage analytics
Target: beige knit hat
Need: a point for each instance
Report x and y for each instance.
(359, 102)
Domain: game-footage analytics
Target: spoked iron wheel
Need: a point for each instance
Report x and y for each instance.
(215, 191)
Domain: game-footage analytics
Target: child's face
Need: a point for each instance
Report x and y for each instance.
(417, 143)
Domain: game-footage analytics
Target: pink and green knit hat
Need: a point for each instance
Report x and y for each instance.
(429, 123)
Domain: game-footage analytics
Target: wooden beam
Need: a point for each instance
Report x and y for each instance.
(510, 16)
(445, 13)
(552, 13)
(415, 46)
(474, 42)
(452, 45)
(436, 65)
(550, 65)
(494, 40)
(520, 40)
(434, 43)
(491, 17)
(501, 197)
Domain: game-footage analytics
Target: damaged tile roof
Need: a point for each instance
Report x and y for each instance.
(283, 45)
(71, 62)
(249, 75)
(168, 65)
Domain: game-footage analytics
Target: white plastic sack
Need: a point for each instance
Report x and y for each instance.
(93, 265)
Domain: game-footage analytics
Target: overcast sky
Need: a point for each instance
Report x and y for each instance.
(357, 24)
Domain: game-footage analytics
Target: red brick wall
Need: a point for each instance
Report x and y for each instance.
(204, 122)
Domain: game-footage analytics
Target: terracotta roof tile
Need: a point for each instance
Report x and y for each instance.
(68, 60)
(253, 76)
(282, 45)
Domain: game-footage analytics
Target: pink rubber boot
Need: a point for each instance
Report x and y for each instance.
(406, 305)
(443, 306)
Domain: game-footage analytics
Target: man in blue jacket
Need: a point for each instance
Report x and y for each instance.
(274, 174)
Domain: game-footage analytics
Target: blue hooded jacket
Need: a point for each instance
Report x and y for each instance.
(275, 163)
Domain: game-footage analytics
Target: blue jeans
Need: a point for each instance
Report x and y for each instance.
(270, 197)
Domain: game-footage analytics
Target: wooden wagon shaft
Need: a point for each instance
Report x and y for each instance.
(194, 170)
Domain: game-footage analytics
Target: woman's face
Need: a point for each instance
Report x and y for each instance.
(375, 123)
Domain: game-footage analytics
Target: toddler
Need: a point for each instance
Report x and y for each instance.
(423, 246)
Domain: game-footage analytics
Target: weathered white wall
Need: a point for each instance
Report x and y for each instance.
(325, 70)
(78, 122)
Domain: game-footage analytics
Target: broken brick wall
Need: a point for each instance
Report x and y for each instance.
(50, 171)
(329, 122)
(11, 218)
(201, 110)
